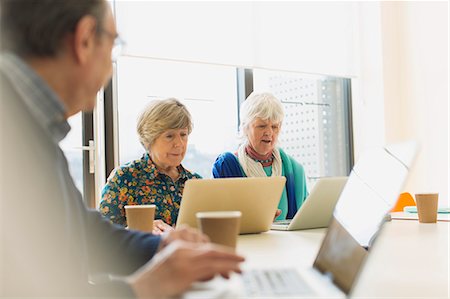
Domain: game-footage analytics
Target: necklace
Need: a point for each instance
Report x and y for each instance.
(263, 161)
(258, 157)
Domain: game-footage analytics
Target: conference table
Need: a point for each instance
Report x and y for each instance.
(408, 258)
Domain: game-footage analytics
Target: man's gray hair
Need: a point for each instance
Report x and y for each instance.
(36, 28)
(259, 105)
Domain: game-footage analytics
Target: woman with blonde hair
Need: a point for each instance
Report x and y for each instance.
(157, 177)
(261, 117)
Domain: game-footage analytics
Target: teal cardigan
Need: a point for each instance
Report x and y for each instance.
(295, 191)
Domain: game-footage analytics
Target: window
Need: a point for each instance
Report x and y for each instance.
(316, 128)
(72, 147)
(208, 91)
(79, 149)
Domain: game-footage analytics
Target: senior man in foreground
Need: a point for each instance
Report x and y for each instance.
(55, 56)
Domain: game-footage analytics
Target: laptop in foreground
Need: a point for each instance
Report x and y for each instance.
(256, 198)
(318, 208)
(370, 192)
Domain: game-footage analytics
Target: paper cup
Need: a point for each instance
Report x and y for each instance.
(222, 227)
(140, 217)
(427, 206)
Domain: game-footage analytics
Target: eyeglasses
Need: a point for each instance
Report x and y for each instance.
(118, 45)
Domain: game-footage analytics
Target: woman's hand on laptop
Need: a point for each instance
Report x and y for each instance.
(160, 227)
(173, 270)
(183, 233)
(277, 213)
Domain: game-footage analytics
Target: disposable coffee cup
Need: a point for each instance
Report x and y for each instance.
(427, 206)
(222, 227)
(140, 217)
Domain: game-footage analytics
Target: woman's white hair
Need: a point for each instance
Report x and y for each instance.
(259, 105)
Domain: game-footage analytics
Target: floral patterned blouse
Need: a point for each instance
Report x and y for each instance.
(139, 183)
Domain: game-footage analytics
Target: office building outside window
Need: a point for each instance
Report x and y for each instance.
(317, 129)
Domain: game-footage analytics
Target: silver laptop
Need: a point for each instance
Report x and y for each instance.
(256, 198)
(370, 192)
(318, 208)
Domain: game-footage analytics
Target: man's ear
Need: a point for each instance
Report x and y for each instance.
(84, 38)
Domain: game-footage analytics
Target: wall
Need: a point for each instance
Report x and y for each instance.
(367, 86)
(311, 37)
(415, 69)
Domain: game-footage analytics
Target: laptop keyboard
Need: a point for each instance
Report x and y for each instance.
(274, 282)
(283, 222)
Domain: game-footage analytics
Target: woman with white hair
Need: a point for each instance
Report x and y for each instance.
(157, 177)
(261, 117)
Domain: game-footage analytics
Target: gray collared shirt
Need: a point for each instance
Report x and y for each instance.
(50, 242)
(42, 102)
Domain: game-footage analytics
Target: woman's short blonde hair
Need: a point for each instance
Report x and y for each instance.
(259, 105)
(160, 116)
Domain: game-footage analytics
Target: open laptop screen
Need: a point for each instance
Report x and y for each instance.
(256, 198)
(371, 191)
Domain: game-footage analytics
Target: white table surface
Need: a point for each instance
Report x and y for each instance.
(408, 259)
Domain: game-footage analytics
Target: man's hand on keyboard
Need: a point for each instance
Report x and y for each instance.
(174, 269)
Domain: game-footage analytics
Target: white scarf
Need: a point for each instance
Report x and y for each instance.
(255, 169)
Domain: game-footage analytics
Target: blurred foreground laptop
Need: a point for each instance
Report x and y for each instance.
(370, 192)
(256, 198)
(318, 208)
